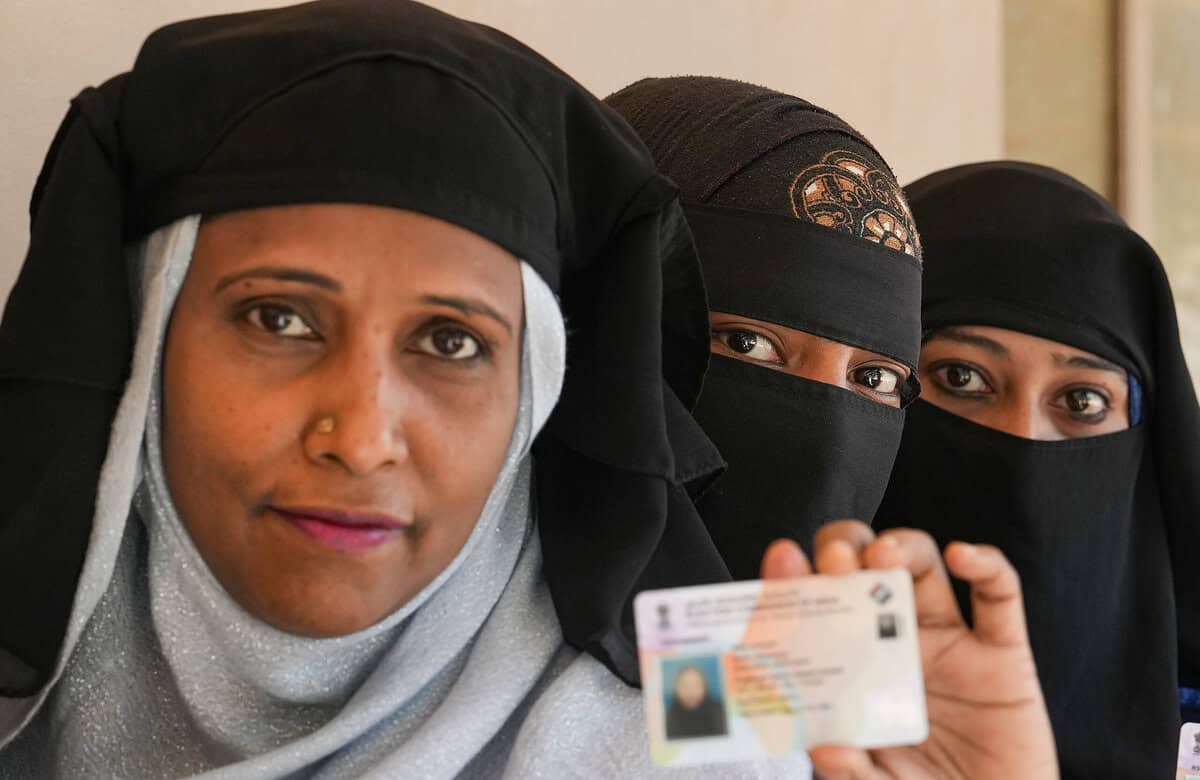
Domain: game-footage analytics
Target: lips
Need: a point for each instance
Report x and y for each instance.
(344, 531)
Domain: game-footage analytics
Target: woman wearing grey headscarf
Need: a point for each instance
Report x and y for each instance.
(274, 481)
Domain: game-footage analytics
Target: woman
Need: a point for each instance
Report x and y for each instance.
(278, 510)
(288, 526)
(694, 711)
(1058, 422)
(812, 266)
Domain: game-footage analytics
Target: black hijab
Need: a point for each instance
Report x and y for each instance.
(1095, 526)
(799, 222)
(420, 111)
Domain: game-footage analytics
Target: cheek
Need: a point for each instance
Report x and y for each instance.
(458, 439)
(1116, 420)
(218, 430)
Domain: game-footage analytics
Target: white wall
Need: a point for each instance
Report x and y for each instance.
(922, 79)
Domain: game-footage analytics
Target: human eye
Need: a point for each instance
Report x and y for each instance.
(279, 320)
(880, 380)
(450, 343)
(747, 343)
(960, 379)
(1086, 404)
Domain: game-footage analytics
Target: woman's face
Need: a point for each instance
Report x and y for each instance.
(1023, 385)
(340, 388)
(690, 687)
(871, 375)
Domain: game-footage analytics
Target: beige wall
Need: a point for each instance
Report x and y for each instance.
(1060, 87)
(1105, 90)
(922, 78)
(1175, 157)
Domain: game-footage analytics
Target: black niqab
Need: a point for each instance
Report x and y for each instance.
(1094, 526)
(799, 222)
(415, 110)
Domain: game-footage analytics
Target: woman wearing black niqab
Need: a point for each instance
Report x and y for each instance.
(146, 631)
(1096, 525)
(813, 270)
(801, 227)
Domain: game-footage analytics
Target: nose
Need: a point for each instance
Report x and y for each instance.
(822, 362)
(357, 421)
(1025, 416)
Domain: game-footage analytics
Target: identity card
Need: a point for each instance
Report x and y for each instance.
(1189, 752)
(749, 670)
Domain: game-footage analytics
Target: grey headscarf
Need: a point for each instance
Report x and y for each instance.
(164, 675)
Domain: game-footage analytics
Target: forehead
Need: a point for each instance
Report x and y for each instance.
(352, 243)
(790, 335)
(1022, 348)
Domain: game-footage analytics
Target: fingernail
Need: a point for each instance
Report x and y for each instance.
(842, 545)
(888, 540)
(969, 550)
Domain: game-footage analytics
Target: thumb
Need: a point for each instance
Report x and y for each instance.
(784, 560)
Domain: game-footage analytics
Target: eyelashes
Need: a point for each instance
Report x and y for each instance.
(875, 380)
(1087, 404)
(750, 344)
(439, 338)
(878, 379)
(451, 343)
(280, 320)
(961, 379)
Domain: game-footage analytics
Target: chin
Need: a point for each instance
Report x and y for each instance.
(320, 610)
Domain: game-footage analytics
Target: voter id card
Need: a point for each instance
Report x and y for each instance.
(750, 670)
(1189, 752)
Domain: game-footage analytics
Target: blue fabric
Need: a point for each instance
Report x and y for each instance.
(1189, 704)
(1135, 400)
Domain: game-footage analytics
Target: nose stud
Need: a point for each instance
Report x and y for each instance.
(326, 425)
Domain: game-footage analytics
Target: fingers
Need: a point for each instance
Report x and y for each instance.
(834, 762)
(844, 546)
(916, 551)
(837, 546)
(783, 560)
(999, 613)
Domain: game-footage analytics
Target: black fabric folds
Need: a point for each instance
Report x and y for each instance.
(1095, 526)
(808, 277)
(391, 104)
(800, 454)
(707, 134)
(799, 222)
(1097, 603)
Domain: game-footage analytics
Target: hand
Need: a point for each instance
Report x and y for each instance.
(987, 718)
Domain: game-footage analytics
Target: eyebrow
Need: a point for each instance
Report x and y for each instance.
(975, 340)
(468, 307)
(281, 274)
(1080, 361)
(319, 280)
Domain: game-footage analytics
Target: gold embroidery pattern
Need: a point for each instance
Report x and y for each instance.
(845, 193)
